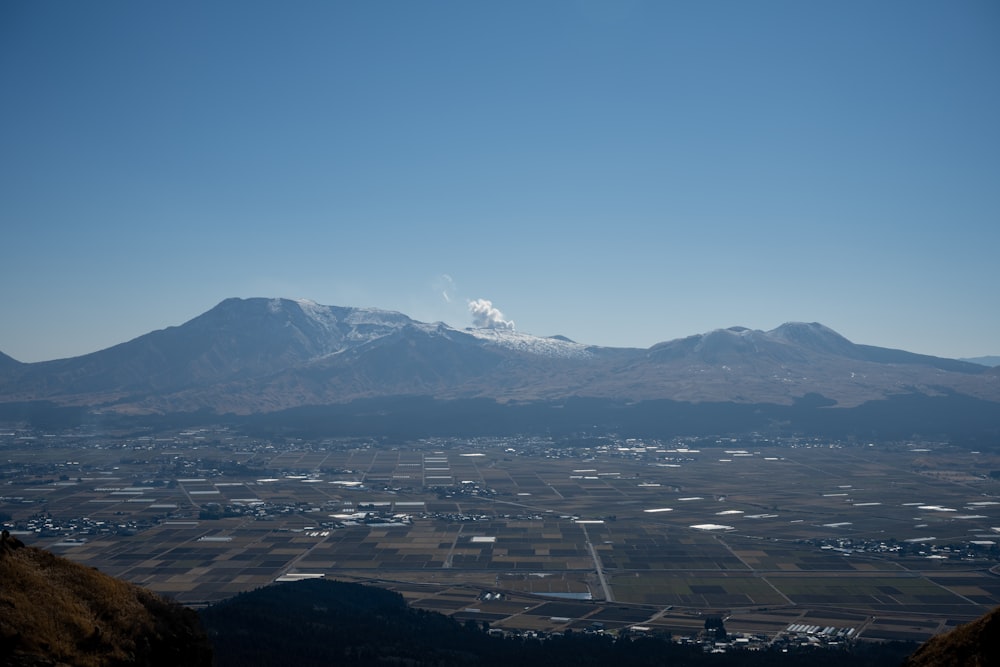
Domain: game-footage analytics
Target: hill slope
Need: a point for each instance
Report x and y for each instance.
(975, 644)
(54, 611)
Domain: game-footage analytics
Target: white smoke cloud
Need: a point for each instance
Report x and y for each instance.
(485, 316)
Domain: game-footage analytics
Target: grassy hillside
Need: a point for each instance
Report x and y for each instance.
(975, 644)
(54, 611)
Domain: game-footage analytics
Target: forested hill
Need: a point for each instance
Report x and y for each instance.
(321, 622)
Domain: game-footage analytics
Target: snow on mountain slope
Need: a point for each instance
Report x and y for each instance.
(544, 347)
(356, 326)
(350, 326)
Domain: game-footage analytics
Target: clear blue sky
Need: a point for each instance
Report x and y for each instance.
(622, 173)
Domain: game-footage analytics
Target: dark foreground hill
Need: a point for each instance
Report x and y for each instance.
(320, 622)
(56, 612)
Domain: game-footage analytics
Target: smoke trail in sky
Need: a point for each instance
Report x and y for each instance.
(485, 316)
(445, 286)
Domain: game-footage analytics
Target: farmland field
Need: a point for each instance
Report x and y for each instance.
(892, 540)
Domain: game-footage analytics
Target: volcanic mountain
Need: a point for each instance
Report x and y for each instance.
(262, 356)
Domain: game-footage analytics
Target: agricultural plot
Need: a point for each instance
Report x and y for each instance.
(558, 584)
(879, 592)
(861, 531)
(630, 545)
(761, 556)
(697, 590)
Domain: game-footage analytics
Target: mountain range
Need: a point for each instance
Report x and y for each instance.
(251, 358)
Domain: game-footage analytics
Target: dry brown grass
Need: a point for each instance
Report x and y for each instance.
(975, 644)
(73, 614)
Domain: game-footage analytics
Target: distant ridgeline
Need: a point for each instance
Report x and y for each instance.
(280, 364)
(959, 419)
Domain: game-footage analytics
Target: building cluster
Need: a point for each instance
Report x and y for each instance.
(966, 550)
(74, 529)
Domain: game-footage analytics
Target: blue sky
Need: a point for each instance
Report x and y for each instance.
(620, 173)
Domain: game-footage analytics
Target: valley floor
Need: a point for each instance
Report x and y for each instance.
(783, 539)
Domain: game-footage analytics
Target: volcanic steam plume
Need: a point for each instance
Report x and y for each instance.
(485, 316)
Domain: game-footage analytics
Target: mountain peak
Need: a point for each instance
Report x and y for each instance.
(804, 328)
(7, 361)
(792, 341)
(814, 336)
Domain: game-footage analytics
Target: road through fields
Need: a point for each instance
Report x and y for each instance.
(598, 567)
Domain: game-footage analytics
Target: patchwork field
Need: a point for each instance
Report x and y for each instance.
(891, 540)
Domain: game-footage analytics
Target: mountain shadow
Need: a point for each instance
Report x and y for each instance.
(904, 416)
